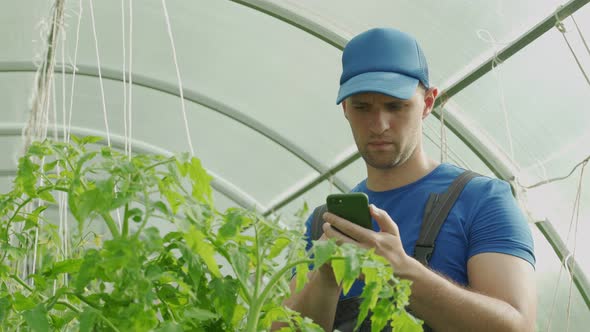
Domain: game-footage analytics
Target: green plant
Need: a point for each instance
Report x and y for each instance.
(215, 271)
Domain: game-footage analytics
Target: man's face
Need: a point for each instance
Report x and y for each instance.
(387, 130)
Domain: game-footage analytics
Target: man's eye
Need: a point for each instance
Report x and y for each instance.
(361, 107)
(395, 107)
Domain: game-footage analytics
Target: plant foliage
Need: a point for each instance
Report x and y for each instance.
(113, 270)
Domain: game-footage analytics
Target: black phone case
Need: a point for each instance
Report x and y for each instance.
(352, 206)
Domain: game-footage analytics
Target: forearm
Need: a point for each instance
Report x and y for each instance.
(446, 306)
(317, 300)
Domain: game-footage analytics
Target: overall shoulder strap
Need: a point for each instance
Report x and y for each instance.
(436, 212)
(317, 221)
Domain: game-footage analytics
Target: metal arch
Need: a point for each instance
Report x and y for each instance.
(190, 95)
(218, 183)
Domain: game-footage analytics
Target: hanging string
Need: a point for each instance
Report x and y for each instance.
(576, 215)
(39, 105)
(124, 32)
(130, 85)
(67, 129)
(444, 152)
(104, 106)
(560, 178)
(581, 34)
(564, 262)
(188, 134)
(561, 27)
(36, 126)
(496, 61)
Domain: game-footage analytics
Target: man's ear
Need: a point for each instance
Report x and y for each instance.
(429, 98)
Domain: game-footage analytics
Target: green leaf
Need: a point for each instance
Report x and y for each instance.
(169, 327)
(278, 247)
(49, 166)
(233, 220)
(201, 181)
(97, 200)
(240, 261)
(403, 321)
(90, 140)
(106, 152)
(352, 266)
(36, 318)
(66, 266)
(88, 320)
(84, 158)
(302, 270)
(200, 314)
(26, 179)
(21, 302)
(195, 271)
(338, 268)
(75, 139)
(196, 241)
(323, 251)
(37, 149)
(239, 313)
(46, 196)
(168, 294)
(225, 293)
(4, 307)
(160, 206)
(88, 269)
(370, 295)
(134, 213)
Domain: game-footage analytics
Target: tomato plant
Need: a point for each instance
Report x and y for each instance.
(113, 269)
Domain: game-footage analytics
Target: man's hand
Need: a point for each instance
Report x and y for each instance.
(386, 242)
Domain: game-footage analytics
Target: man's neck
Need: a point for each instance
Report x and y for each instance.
(415, 168)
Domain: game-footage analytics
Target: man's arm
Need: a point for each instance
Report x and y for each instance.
(501, 295)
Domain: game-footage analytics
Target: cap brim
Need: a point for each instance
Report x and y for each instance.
(388, 83)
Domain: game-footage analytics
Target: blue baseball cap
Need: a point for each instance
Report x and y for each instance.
(382, 60)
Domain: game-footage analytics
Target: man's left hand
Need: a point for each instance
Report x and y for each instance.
(387, 241)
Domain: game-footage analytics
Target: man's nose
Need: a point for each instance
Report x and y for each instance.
(379, 122)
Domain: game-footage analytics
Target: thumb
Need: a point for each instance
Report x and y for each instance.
(384, 221)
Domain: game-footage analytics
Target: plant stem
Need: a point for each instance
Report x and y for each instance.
(98, 311)
(258, 263)
(219, 247)
(125, 229)
(256, 305)
(147, 216)
(22, 282)
(111, 224)
(41, 296)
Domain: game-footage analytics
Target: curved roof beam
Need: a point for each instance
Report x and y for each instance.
(218, 183)
(190, 95)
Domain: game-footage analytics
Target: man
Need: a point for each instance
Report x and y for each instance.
(481, 274)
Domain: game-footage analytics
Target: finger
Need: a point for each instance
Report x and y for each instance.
(350, 229)
(384, 221)
(331, 232)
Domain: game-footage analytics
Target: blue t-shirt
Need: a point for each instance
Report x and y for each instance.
(485, 218)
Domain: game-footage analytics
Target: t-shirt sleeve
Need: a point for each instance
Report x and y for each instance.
(498, 223)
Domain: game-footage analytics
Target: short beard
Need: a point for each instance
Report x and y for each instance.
(395, 161)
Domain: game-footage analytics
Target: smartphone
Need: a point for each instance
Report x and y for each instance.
(353, 207)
